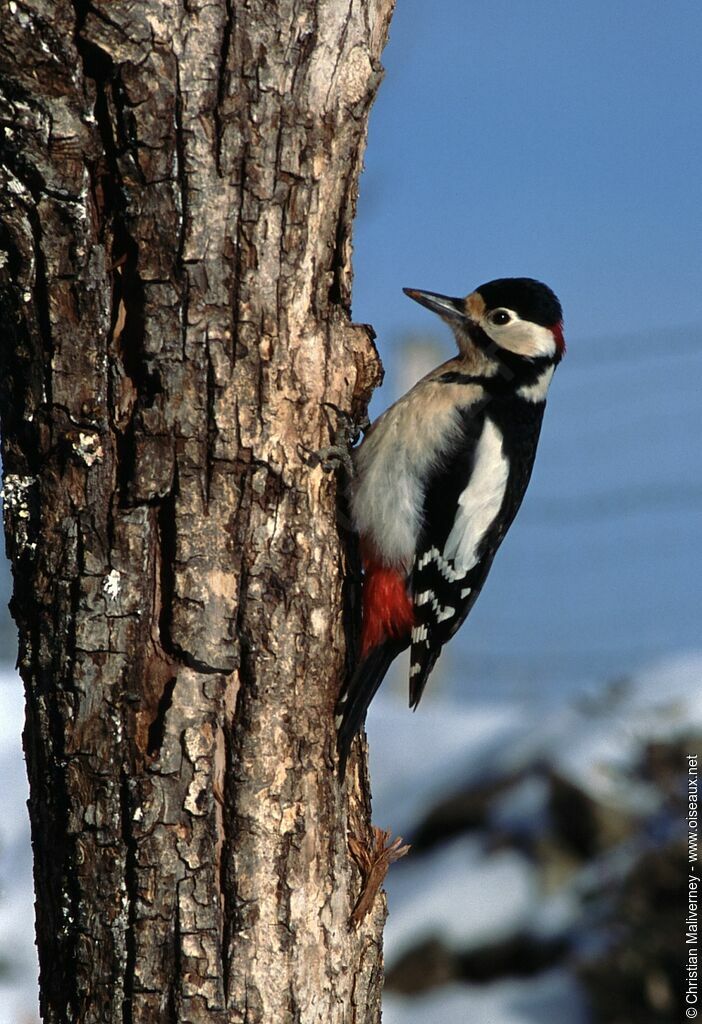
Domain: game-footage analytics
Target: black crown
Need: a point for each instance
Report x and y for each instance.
(531, 299)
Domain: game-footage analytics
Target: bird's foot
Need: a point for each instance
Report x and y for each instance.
(338, 454)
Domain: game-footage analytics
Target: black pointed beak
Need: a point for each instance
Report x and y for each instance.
(447, 307)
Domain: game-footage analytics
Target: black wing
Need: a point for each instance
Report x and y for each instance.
(443, 596)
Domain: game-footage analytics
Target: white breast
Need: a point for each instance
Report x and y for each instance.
(480, 502)
(387, 495)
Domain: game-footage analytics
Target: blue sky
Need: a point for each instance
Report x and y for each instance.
(553, 140)
(558, 141)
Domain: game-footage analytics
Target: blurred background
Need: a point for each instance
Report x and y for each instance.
(542, 781)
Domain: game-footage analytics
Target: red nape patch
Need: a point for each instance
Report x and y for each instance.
(387, 607)
(557, 332)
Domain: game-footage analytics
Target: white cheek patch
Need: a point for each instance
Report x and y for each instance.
(522, 337)
(538, 340)
(480, 502)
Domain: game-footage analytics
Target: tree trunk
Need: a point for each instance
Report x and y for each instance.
(179, 185)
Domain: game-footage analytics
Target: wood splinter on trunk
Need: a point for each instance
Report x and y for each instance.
(374, 865)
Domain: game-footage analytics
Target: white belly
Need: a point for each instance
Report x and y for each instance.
(387, 495)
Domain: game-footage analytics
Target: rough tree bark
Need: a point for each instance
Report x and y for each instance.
(179, 183)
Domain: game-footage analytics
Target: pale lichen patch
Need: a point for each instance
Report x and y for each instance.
(89, 448)
(15, 495)
(112, 584)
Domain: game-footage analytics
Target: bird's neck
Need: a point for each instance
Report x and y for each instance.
(507, 375)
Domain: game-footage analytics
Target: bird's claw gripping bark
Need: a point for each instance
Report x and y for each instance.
(338, 454)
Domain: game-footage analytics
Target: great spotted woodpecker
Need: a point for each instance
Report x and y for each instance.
(440, 476)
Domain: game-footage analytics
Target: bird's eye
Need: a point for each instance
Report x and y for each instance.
(499, 317)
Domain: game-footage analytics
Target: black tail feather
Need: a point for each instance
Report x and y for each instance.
(419, 673)
(355, 698)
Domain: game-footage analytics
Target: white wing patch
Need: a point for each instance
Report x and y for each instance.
(427, 557)
(480, 502)
(448, 571)
(442, 613)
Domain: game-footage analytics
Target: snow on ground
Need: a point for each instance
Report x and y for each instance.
(468, 895)
(552, 997)
(418, 757)
(499, 892)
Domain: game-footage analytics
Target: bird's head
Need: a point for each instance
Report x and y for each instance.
(514, 318)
